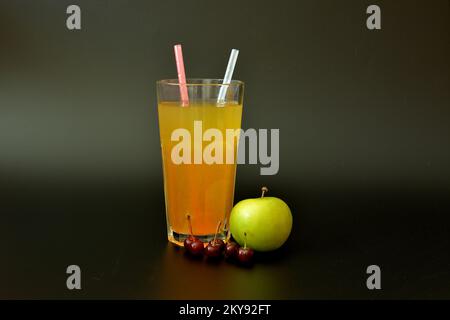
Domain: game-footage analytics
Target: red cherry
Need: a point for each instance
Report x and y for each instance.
(196, 248)
(213, 250)
(219, 243)
(193, 244)
(231, 250)
(245, 255)
(215, 246)
(188, 241)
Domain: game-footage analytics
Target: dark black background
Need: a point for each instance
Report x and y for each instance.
(364, 123)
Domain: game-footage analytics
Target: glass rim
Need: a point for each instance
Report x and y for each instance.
(174, 82)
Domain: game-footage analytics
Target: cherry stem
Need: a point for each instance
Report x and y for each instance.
(263, 191)
(245, 240)
(217, 231)
(190, 224)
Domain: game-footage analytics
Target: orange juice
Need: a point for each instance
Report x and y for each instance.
(201, 190)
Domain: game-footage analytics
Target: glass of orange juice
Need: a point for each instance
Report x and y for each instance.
(199, 153)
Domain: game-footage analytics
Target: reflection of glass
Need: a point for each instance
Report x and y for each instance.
(179, 276)
(203, 281)
(204, 191)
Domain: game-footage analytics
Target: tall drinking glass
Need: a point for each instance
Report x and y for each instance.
(199, 153)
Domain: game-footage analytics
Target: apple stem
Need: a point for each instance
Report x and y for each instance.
(245, 240)
(263, 191)
(190, 224)
(217, 231)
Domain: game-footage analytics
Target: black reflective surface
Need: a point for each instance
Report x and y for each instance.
(364, 123)
(117, 237)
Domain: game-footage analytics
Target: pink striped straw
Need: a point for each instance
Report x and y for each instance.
(181, 75)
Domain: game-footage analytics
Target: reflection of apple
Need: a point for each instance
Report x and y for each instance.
(266, 222)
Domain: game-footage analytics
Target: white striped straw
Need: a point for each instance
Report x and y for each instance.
(228, 75)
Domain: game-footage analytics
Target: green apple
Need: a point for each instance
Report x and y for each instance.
(262, 224)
